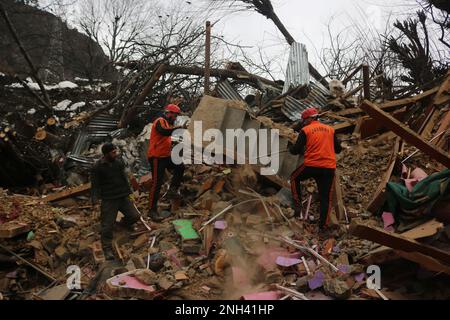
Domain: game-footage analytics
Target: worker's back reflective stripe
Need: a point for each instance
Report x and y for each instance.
(160, 146)
(319, 151)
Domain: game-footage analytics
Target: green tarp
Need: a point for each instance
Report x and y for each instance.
(185, 229)
(420, 200)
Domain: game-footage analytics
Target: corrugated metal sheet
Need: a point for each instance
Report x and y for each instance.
(297, 73)
(317, 97)
(98, 129)
(226, 91)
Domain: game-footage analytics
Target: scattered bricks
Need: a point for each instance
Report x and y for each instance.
(138, 262)
(191, 248)
(206, 289)
(219, 186)
(165, 283)
(140, 241)
(328, 247)
(337, 288)
(146, 276)
(62, 253)
(12, 229)
(302, 284)
(127, 285)
(97, 253)
(146, 182)
(181, 275)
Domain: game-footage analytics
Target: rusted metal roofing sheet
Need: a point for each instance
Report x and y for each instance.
(297, 73)
(317, 97)
(226, 91)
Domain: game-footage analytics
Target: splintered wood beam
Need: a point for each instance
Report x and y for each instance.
(379, 196)
(398, 242)
(443, 94)
(408, 101)
(339, 205)
(406, 133)
(72, 192)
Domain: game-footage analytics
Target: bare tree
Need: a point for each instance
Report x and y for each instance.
(115, 24)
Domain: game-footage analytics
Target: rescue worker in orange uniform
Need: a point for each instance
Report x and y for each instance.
(159, 157)
(319, 145)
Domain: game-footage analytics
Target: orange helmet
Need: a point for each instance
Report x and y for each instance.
(310, 112)
(172, 108)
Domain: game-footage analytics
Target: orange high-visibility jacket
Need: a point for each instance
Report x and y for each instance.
(319, 151)
(160, 146)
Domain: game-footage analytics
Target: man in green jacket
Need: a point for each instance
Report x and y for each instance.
(110, 184)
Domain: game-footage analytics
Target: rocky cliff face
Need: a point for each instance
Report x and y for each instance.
(56, 50)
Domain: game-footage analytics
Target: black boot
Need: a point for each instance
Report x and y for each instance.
(154, 215)
(109, 254)
(173, 193)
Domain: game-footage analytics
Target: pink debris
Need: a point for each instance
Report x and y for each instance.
(287, 262)
(388, 219)
(360, 277)
(220, 225)
(268, 257)
(317, 281)
(272, 295)
(131, 282)
(416, 176)
(344, 268)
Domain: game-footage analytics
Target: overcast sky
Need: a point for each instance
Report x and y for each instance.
(307, 21)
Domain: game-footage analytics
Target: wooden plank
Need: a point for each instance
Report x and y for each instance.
(338, 198)
(384, 254)
(71, 192)
(424, 261)
(343, 127)
(379, 196)
(397, 242)
(409, 101)
(406, 133)
(370, 127)
(445, 124)
(428, 127)
(443, 95)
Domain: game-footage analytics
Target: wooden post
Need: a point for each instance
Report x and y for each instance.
(207, 57)
(366, 81)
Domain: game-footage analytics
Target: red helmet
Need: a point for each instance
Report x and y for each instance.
(172, 108)
(310, 112)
